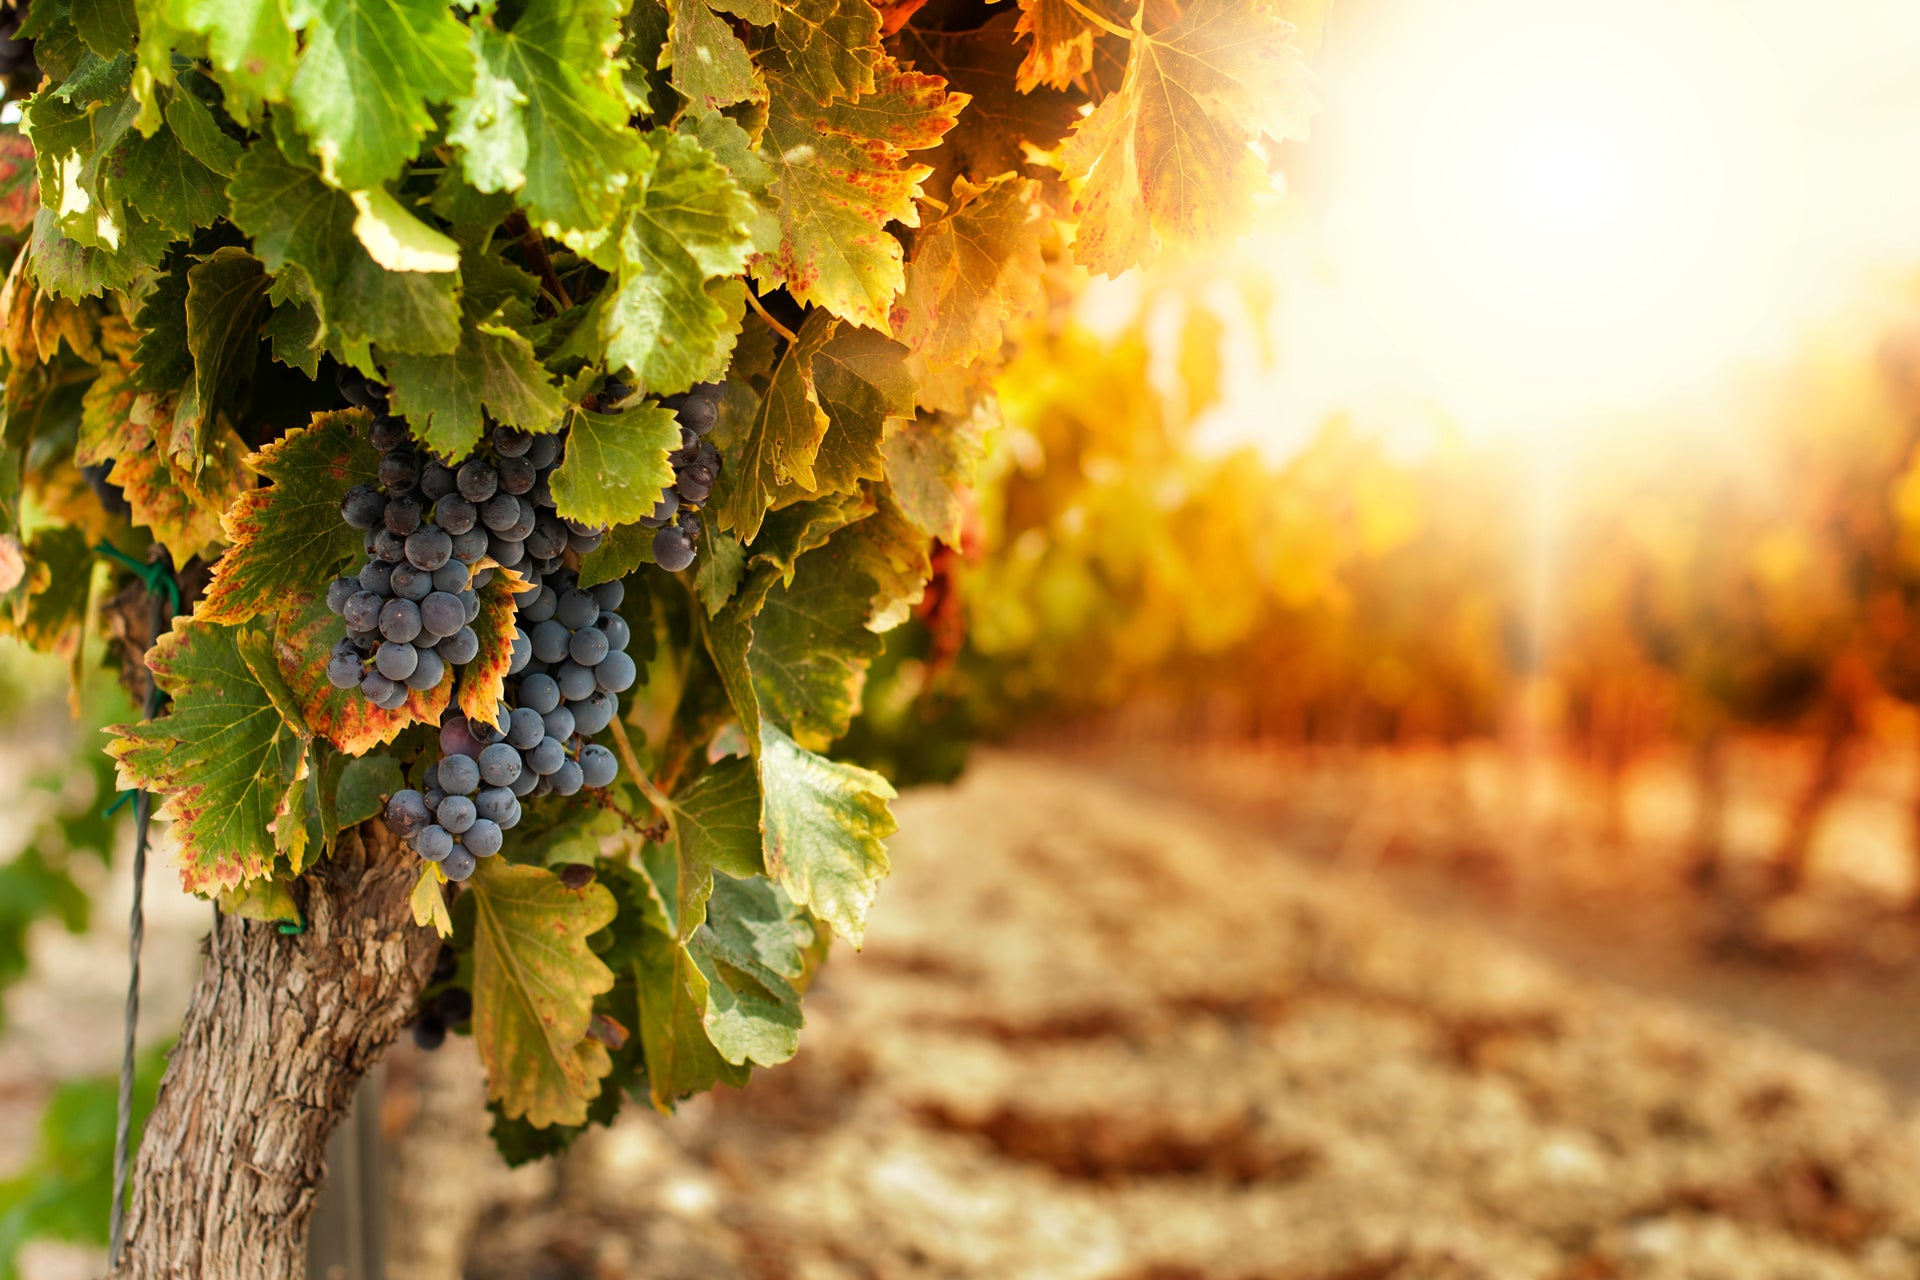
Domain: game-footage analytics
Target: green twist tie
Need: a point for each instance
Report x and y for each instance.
(156, 577)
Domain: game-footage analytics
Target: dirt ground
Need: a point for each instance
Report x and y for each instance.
(1180, 1015)
(1100, 1031)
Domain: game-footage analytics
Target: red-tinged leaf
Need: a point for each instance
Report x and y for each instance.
(303, 634)
(1062, 47)
(118, 424)
(288, 537)
(972, 272)
(19, 189)
(227, 760)
(484, 680)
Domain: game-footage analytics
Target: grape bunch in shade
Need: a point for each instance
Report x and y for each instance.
(409, 610)
(696, 465)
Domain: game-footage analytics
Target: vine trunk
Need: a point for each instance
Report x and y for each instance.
(277, 1035)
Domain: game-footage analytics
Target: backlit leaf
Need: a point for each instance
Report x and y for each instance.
(831, 46)
(483, 681)
(825, 823)
(972, 272)
(781, 441)
(710, 66)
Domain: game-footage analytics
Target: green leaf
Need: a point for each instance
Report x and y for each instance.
(107, 26)
(690, 224)
(251, 43)
(710, 66)
(1167, 158)
(227, 760)
(749, 951)
(200, 134)
(363, 789)
(861, 380)
(265, 900)
(368, 71)
(674, 994)
(226, 302)
(288, 538)
(546, 115)
(825, 822)
(811, 646)
(625, 548)
(534, 979)
(717, 573)
(840, 177)
(793, 531)
(300, 224)
(831, 46)
(718, 818)
(930, 467)
(776, 455)
(616, 465)
(446, 398)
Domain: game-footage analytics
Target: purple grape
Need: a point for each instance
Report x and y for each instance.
(483, 838)
(460, 648)
(456, 739)
(376, 576)
(400, 620)
(344, 670)
(588, 646)
(410, 583)
(567, 778)
(557, 723)
(455, 514)
(456, 813)
(609, 595)
(399, 472)
(434, 842)
(597, 765)
(470, 546)
(545, 757)
(429, 548)
(396, 660)
(550, 641)
(362, 611)
(407, 812)
(362, 507)
(614, 627)
(442, 614)
(402, 515)
(458, 865)
(543, 451)
(576, 681)
(387, 432)
(672, 549)
(477, 481)
(436, 481)
(511, 442)
(539, 693)
(459, 776)
(516, 475)
(499, 765)
(616, 673)
(428, 671)
(593, 713)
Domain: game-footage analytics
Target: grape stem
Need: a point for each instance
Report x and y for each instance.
(661, 804)
(1110, 28)
(535, 247)
(773, 324)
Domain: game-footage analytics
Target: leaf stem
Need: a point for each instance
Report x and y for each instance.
(535, 247)
(624, 744)
(1098, 21)
(941, 205)
(773, 324)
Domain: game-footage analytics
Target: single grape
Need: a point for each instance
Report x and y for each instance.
(543, 451)
(577, 609)
(542, 493)
(543, 787)
(616, 672)
(597, 765)
(456, 813)
(545, 757)
(363, 506)
(505, 551)
(483, 838)
(355, 390)
(470, 546)
(709, 456)
(524, 728)
(456, 739)
(584, 543)
(469, 604)
(495, 803)
(461, 647)
(344, 670)
(407, 812)
(594, 712)
(428, 1033)
(689, 441)
(362, 610)
(557, 724)
(549, 537)
(672, 549)
(339, 590)
(576, 681)
(387, 432)
(430, 779)
(520, 654)
(452, 577)
(486, 734)
(442, 614)
(434, 842)
(389, 546)
(695, 484)
(378, 687)
(663, 510)
(522, 524)
(550, 640)
(458, 865)
(400, 620)
(402, 515)
(429, 548)
(567, 778)
(399, 472)
(618, 634)
(410, 583)
(588, 646)
(516, 475)
(540, 608)
(499, 511)
(434, 796)
(477, 481)
(376, 576)
(396, 660)
(455, 514)
(609, 595)
(612, 392)
(365, 641)
(459, 776)
(428, 672)
(480, 580)
(690, 524)
(699, 416)
(511, 442)
(436, 481)
(539, 693)
(499, 765)
(525, 783)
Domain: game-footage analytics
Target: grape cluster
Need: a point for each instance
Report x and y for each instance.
(409, 611)
(569, 667)
(696, 465)
(446, 1008)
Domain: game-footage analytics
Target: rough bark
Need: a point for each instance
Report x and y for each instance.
(278, 1033)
